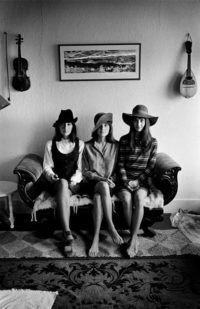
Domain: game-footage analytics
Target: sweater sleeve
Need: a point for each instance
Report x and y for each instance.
(77, 177)
(151, 162)
(121, 161)
(87, 173)
(48, 163)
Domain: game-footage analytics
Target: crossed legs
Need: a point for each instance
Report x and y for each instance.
(103, 207)
(132, 216)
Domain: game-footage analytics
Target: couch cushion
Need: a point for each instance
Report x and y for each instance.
(44, 201)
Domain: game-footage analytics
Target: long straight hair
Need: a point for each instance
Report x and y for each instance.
(145, 137)
(72, 137)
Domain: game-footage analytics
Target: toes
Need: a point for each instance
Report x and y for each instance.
(132, 249)
(93, 253)
(117, 239)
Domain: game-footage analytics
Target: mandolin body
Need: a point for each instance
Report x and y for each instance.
(188, 85)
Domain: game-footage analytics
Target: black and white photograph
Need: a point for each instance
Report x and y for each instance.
(99, 62)
(100, 154)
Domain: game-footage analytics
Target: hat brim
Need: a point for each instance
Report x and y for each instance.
(57, 123)
(108, 117)
(128, 118)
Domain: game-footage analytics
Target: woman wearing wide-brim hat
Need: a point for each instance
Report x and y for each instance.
(136, 161)
(99, 162)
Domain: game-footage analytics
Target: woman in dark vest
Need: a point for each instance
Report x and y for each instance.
(62, 168)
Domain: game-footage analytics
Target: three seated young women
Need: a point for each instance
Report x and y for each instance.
(101, 167)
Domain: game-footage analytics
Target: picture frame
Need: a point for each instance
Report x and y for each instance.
(86, 62)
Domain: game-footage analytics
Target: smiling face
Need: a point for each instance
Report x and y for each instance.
(139, 124)
(65, 129)
(103, 130)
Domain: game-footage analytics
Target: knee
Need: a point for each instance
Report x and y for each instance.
(125, 198)
(62, 184)
(103, 188)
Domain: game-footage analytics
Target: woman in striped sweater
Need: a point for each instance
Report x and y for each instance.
(136, 161)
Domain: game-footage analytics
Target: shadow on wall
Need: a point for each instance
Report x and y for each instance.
(7, 167)
(173, 89)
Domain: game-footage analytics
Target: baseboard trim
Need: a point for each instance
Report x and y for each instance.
(185, 204)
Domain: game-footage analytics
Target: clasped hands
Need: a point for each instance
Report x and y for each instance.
(132, 185)
(55, 177)
(110, 182)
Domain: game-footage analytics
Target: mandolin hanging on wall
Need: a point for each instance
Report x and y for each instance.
(21, 81)
(188, 85)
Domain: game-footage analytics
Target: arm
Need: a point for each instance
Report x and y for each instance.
(147, 174)
(87, 161)
(77, 177)
(48, 163)
(121, 161)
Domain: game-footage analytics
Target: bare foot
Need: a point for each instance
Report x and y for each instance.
(132, 248)
(94, 250)
(117, 239)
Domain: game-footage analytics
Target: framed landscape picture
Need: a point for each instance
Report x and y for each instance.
(99, 61)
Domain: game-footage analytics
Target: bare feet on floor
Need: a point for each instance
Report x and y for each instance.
(117, 239)
(94, 250)
(132, 248)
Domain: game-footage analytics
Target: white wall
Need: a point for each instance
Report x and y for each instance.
(159, 25)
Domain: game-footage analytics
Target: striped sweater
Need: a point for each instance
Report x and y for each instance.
(135, 164)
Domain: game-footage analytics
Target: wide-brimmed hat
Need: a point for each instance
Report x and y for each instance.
(101, 118)
(65, 116)
(140, 111)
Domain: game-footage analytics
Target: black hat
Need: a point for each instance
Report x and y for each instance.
(140, 111)
(65, 116)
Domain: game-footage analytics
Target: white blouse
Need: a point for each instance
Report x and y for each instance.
(64, 148)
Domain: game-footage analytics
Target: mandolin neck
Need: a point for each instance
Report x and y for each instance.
(189, 71)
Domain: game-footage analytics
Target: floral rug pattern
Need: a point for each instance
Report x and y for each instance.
(153, 283)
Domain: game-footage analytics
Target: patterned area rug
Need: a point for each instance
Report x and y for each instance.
(139, 283)
(19, 244)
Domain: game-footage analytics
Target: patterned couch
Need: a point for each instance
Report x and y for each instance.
(29, 169)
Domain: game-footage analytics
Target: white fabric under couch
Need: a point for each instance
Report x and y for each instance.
(45, 200)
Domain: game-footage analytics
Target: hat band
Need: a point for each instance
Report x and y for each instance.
(141, 115)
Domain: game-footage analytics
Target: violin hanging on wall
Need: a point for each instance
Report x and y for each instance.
(21, 81)
(188, 85)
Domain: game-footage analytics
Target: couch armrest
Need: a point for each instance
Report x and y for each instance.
(28, 170)
(165, 177)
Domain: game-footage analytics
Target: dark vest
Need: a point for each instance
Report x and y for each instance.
(65, 165)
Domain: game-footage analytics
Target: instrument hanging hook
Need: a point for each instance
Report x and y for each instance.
(189, 38)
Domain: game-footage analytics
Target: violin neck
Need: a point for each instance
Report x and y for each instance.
(19, 51)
